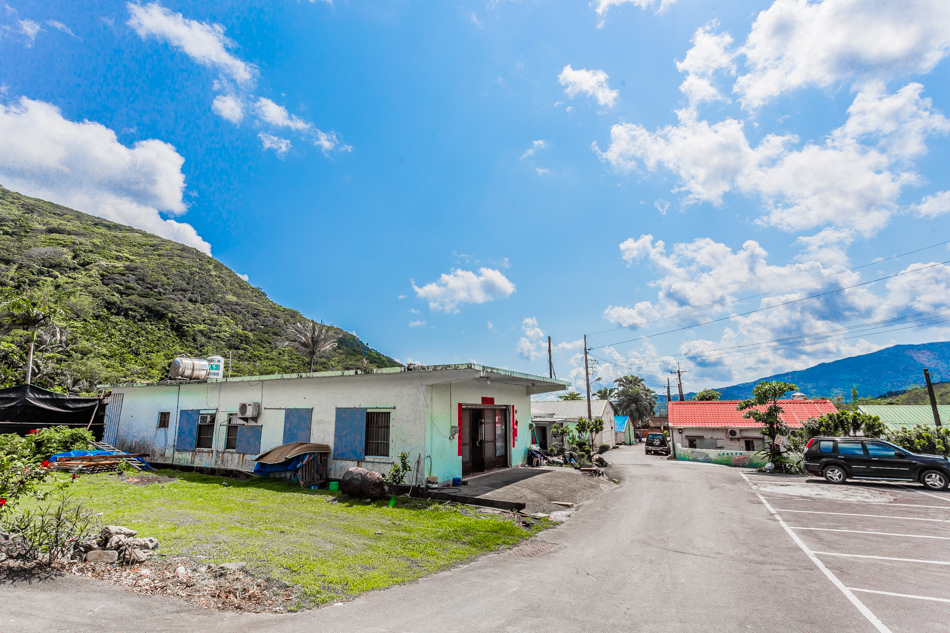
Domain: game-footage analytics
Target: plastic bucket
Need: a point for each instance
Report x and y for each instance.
(334, 485)
(456, 481)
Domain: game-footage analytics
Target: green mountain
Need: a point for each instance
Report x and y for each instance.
(135, 301)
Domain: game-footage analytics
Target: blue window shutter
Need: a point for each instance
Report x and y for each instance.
(349, 436)
(297, 425)
(187, 435)
(249, 439)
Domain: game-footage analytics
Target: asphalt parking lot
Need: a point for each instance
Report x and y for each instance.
(885, 546)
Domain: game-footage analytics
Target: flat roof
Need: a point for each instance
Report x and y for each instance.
(461, 371)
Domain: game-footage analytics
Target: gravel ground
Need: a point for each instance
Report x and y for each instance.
(205, 586)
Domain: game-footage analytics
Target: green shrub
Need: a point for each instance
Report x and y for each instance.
(929, 440)
(603, 448)
(42, 444)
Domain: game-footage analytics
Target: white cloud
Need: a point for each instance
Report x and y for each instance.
(465, 286)
(83, 165)
(228, 107)
(491, 326)
(852, 179)
(541, 171)
(416, 323)
(932, 206)
(278, 116)
(796, 43)
(662, 206)
(709, 55)
(474, 20)
(536, 146)
(827, 247)
(204, 43)
(530, 345)
(244, 277)
(59, 26)
(593, 83)
(276, 143)
(602, 6)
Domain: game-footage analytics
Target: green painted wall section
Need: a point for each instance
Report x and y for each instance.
(725, 457)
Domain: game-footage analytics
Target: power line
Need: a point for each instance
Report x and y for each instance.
(778, 305)
(768, 292)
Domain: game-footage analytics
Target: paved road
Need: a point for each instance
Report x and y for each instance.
(676, 547)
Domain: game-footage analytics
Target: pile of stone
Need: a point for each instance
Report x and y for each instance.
(114, 544)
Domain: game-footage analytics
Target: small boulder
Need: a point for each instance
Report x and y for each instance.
(115, 530)
(363, 484)
(102, 556)
(137, 555)
(229, 567)
(148, 543)
(88, 544)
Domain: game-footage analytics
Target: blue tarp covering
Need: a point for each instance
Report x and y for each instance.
(294, 463)
(88, 453)
(620, 423)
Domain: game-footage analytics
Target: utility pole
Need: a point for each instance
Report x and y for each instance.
(669, 396)
(587, 377)
(550, 361)
(933, 398)
(679, 379)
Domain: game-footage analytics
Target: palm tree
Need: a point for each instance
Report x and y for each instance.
(312, 340)
(21, 313)
(634, 398)
(607, 393)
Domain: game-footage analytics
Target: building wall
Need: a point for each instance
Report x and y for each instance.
(445, 461)
(720, 435)
(422, 417)
(397, 393)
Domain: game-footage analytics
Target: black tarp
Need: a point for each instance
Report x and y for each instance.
(26, 407)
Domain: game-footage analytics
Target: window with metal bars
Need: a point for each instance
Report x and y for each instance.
(205, 431)
(230, 443)
(163, 417)
(377, 434)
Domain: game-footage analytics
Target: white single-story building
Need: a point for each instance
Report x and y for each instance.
(453, 420)
(548, 412)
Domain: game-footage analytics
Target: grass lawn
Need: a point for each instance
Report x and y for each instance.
(329, 547)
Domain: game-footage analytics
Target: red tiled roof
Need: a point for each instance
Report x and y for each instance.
(723, 413)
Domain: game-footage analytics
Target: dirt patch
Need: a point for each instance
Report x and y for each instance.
(144, 480)
(206, 586)
(826, 491)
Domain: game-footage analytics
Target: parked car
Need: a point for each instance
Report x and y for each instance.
(657, 444)
(839, 458)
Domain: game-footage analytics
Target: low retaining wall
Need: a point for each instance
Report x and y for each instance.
(745, 459)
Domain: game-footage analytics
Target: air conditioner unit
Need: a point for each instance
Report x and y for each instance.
(734, 433)
(249, 409)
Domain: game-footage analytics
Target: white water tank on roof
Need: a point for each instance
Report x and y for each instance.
(798, 395)
(215, 367)
(188, 368)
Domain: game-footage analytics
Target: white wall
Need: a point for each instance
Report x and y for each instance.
(720, 435)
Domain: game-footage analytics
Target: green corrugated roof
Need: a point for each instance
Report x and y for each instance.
(897, 416)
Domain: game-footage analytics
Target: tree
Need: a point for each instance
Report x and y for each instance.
(854, 394)
(570, 395)
(588, 430)
(845, 423)
(607, 393)
(312, 340)
(634, 398)
(766, 394)
(707, 395)
(21, 313)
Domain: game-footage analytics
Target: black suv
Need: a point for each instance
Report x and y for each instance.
(656, 443)
(837, 458)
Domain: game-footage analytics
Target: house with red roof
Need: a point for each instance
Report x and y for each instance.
(719, 424)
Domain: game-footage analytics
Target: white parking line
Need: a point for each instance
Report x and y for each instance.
(928, 494)
(942, 538)
(900, 595)
(873, 619)
(872, 516)
(902, 560)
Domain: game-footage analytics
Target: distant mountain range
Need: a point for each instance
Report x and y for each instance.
(893, 369)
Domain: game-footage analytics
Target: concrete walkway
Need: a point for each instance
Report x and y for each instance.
(677, 546)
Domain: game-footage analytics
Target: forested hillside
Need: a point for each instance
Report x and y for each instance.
(133, 301)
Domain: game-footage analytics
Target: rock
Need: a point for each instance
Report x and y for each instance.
(115, 530)
(137, 555)
(102, 556)
(89, 543)
(148, 543)
(363, 484)
(229, 567)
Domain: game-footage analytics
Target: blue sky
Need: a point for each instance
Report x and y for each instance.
(457, 181)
